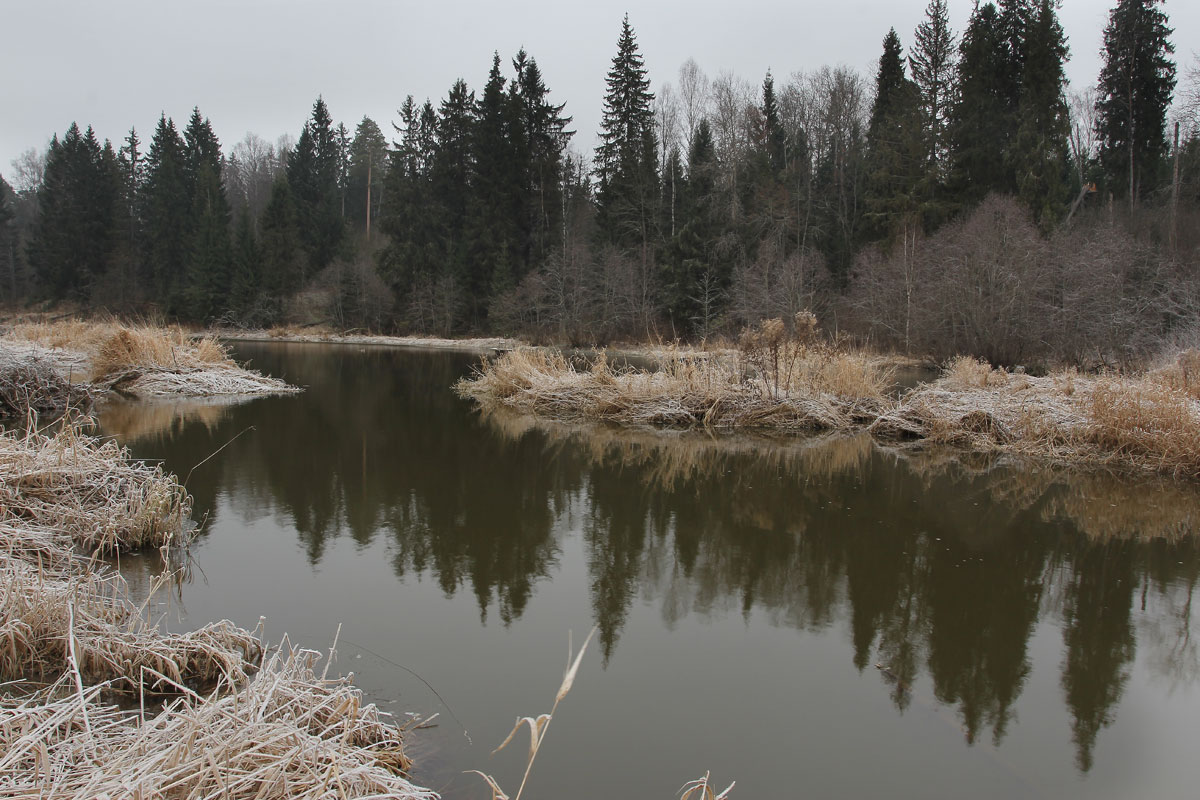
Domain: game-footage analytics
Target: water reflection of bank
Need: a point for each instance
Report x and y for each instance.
(941, 568)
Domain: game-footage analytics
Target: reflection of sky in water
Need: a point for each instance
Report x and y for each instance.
(1034, 624)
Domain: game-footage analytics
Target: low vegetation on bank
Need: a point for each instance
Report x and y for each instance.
(784, 376)
(212, 713)
(50, 365)
(781, 376)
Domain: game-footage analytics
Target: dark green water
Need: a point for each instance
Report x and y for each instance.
(1034, 624)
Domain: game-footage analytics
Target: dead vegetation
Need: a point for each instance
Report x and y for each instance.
(780, 378)
(70, 637)
(785, 377)
(140, 360)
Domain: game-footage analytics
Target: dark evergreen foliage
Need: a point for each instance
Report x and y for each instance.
(1135, 88)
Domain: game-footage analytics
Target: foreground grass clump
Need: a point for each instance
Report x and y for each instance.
(779, 378)
(70, 636)
(143, 360)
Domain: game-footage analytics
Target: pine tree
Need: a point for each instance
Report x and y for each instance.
(626, 159)
(694, 282)
(450, 181)
(1135, 89)
(365, 177)
(1039, 154)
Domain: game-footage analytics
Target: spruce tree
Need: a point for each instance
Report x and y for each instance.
(1040, 152)
(312, 173)
(543, 139)
(280, 251)
(246, 283)
(494, 224)
(1135, 89)
(774, 138)
(208, 245)
(931, 61)
(626, 159)
(982, 114)
(73, 238)
(166, 212)
(897, 153)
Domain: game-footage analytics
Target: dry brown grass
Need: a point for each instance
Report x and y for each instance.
(264, 730)
(1145, 421)
(289, 732)
(89, 490)
(147, 360)
(777, 381)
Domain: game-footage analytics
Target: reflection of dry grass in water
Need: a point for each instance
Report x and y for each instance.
(147, 360)
(133, 422)
(1102, 505)
(275, 729)
(777, 382)
(674, 457)
(1105, 507)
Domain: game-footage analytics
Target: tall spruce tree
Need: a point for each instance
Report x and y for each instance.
(208, 247)
(543, 140)
(931, 61)
(73, 239)
(1040, 152)
(626, 159)
(897, 152)
(495, 218)
(1135, 89)
(982, 114)
(166, 212)
(280, 248)
(312, 173)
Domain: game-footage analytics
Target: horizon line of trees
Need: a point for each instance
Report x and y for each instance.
(707, 205)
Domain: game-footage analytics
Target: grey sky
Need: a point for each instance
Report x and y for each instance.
(257, 65)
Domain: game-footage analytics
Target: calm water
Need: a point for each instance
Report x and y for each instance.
(1034, 625)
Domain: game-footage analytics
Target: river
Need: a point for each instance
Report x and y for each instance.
(811, 618)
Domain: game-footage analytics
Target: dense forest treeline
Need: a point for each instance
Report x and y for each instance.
(959, 200)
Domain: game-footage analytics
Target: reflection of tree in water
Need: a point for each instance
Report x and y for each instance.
(376, 444)
(939, 566)
(1099, 639)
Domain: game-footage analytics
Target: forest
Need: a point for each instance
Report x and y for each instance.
(962, 199)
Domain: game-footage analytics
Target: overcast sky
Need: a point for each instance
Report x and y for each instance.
(258, 65)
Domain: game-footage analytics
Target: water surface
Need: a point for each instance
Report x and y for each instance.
(817, 618)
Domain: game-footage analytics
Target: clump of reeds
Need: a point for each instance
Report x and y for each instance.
(1147, 422)
(147, 360)
(34, 385)
(778, 381)
(90, 490)
(287, 733)
(85, 619)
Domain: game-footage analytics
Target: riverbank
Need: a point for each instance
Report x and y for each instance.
(201, 713)
(1149, 421)
(327, 336)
